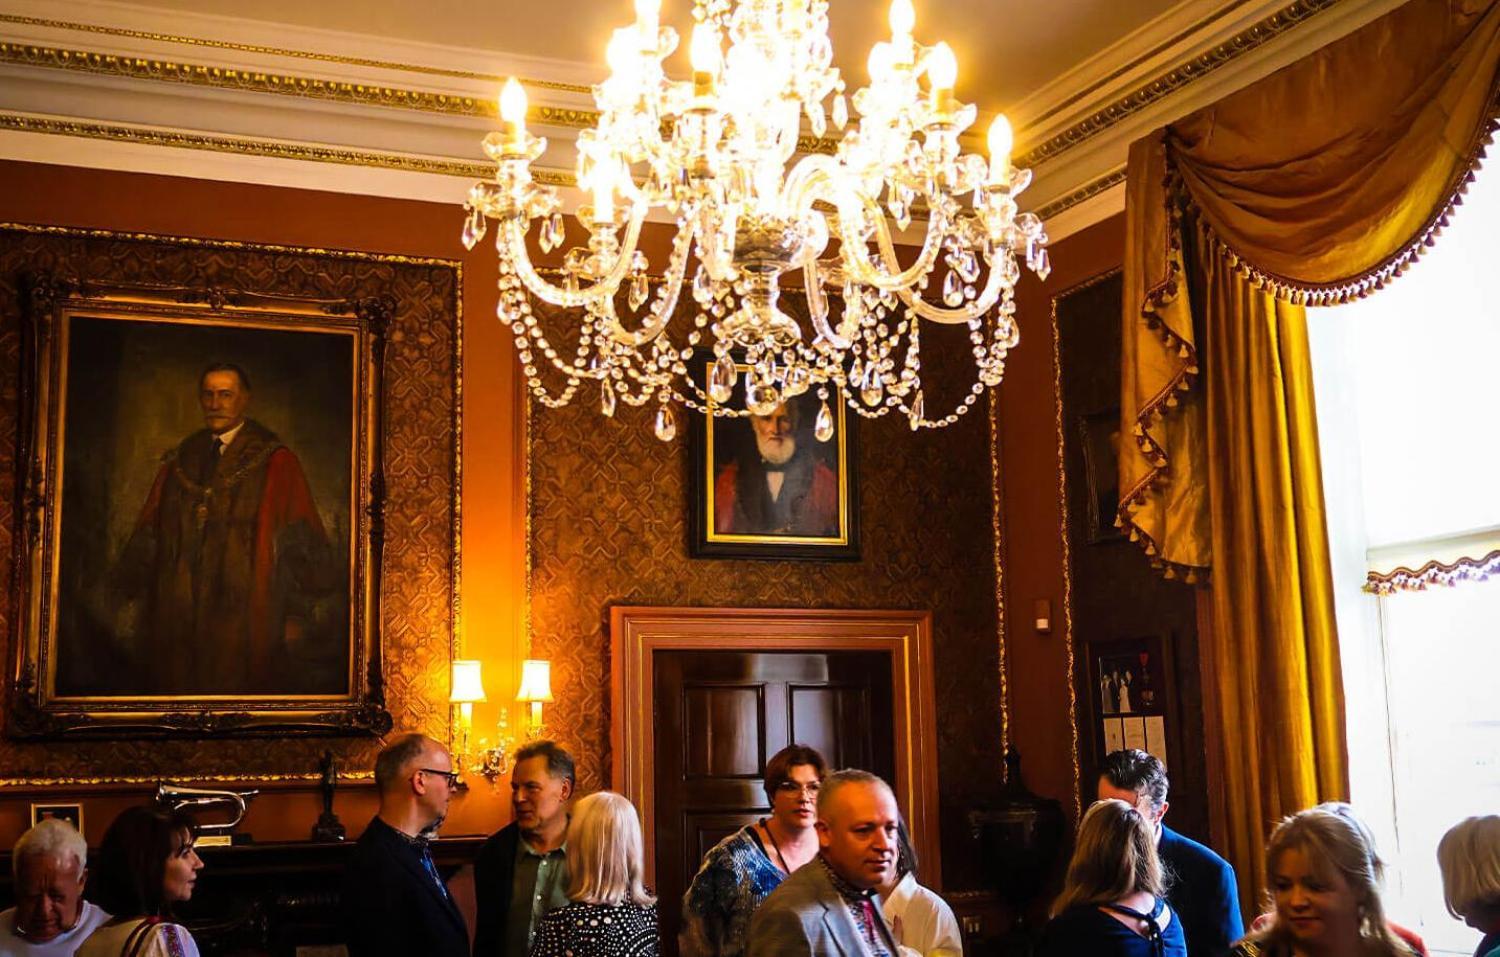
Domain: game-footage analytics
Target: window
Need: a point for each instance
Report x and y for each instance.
(1406, 391)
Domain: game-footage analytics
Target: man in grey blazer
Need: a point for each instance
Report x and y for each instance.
(828, 907)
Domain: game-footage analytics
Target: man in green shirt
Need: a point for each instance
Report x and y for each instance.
(521, 872)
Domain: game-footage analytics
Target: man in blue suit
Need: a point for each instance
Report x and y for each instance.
(1202, 888)
(395, 902)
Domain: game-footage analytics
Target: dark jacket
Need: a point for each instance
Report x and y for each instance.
(392, 907)
(494, 881)
(1204, 894)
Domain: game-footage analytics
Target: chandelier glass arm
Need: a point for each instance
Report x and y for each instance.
(659, 316)
(978, 307)
(607, 285)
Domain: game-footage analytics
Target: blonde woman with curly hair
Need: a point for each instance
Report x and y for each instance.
(1325, 890)
(1112, 902)
(1469, 858)
(611, 914)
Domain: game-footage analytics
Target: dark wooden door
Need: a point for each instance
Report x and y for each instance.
(720, 715)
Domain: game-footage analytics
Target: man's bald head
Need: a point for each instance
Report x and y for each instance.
(398, 760)
(858, 822)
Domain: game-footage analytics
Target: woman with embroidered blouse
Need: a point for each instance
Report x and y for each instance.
(611, 914)
(1112, 902)
(1325, 888)
(744, 868)
(146, 864)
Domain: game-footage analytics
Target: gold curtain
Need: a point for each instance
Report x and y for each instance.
(1316, 184)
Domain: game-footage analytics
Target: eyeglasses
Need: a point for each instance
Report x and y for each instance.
(792, 787)
(452, 776)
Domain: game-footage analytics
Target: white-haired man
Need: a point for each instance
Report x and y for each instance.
(51, 918)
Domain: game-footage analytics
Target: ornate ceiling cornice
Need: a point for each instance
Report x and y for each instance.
(1165, 84)
(273, 149)
(156, 37)
(146, 92)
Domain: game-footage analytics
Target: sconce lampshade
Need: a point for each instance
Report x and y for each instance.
(467, 685)
(536, 680)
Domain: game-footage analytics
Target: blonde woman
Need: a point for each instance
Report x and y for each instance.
(1325, 888)
(611, 914)
(1112, 901)
(1469, 857)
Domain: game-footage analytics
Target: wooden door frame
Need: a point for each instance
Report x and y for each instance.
(638, 632)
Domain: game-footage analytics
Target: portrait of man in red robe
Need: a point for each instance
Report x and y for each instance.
(229, 578)
(776, 484)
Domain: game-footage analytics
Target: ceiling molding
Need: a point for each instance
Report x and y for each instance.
(1081, 85)
(177, 39)
(135, 77)
(279, 84)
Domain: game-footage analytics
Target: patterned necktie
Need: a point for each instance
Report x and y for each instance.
(432, 871)
(868, 909)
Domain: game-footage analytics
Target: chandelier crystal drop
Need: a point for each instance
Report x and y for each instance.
(718, 155)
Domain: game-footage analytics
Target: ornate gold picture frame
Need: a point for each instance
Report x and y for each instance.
(766, 486)
(176, 575)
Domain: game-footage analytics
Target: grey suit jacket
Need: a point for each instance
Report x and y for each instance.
(806, 917)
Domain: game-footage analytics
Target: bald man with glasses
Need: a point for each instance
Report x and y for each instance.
(395, 901)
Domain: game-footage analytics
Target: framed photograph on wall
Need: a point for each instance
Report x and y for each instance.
(72, 813)
(1099, 438)
(1132, 701)
(768, 486)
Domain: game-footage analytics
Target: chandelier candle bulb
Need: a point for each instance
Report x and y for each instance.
(1000, 141)
(942, 72)
(704, 53)
(648, 20)
(513, 111)
(604, 198)
(903, 18)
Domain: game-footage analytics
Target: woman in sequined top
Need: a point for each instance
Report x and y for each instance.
(744, 868)
(611, 914)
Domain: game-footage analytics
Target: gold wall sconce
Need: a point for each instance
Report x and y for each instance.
(493, 760)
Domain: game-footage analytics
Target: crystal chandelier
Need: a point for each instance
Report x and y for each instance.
(715, 154)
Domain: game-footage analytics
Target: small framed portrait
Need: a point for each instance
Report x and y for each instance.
(1099, 437)
(72, 813)
(1131, 696)
(774, 485)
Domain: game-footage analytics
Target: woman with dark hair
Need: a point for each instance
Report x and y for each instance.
(144, 866)
(920, 921)
(741, 870)
(1112, 903)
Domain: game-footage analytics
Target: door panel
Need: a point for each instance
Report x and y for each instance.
(720, 715)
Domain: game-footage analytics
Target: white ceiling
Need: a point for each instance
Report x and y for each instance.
(392, 97)
(1006, 48)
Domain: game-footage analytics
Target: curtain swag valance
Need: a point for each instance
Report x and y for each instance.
(1316, 185)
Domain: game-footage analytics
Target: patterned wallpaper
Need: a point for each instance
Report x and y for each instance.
(610, 517)
(419, 567)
